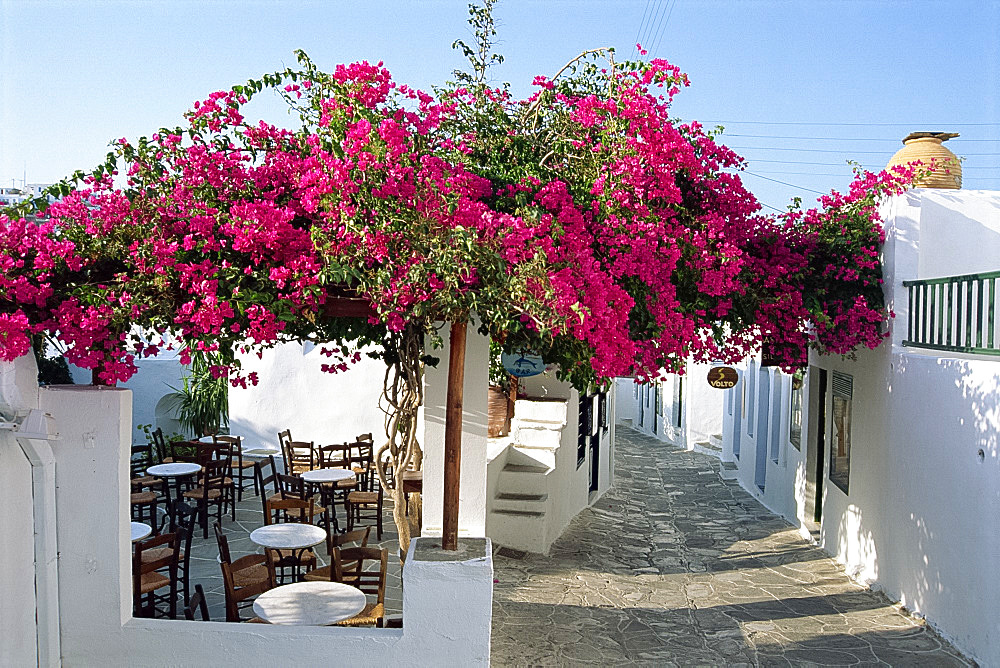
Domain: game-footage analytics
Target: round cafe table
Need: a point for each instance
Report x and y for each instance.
(293, 536)
(317, 476)
(309, 603)
(324, 479)
(140, 530)
(175, 470)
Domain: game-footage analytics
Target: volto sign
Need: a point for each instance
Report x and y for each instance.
(723, 377)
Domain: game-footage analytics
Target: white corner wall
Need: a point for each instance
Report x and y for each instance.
(446, 604)
(472, 488)
(18, 647)
(294, 393)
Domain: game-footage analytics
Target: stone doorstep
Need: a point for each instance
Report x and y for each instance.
(520, 502)
(553, 412)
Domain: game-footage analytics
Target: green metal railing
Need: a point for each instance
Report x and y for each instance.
(954, 313)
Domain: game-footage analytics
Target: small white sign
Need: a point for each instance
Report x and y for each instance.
(523, 364)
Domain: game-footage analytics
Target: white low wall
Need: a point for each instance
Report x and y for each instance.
(446, 604)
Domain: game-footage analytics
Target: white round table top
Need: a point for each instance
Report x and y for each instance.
(173, 469)
(309, 603)
(211, 439)
(261, 452)
(140, 531)
(326, 475)
(288, 536)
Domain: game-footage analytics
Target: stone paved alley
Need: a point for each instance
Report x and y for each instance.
(674, 566)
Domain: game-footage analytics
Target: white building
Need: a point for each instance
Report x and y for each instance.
(682, 410)
(892, 462)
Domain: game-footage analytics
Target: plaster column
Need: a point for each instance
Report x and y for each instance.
(472, 492)
(92, 482)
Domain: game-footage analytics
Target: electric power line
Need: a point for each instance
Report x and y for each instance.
(829, 150)
(666, 22)
(727, 134)
(635, 49)
(785, 183)
(816, 124)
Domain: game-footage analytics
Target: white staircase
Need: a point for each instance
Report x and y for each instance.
(518, 513)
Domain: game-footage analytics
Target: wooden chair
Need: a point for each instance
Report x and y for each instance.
(243, 579)
(303, 511)
(371, 582)
(186, 519)
(361, 505)
(163, 454)
(214, 488)
(143, 504)
(198, 604)
(263, 479)
(242, 470)
(335, 541)
(147, 578)
(362, 462)
(300, 456)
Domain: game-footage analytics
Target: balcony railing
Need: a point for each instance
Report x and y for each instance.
(954, 313)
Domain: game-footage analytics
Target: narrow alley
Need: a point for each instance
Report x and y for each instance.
(674, 566)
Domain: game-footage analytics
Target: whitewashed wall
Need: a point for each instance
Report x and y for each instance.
(785, 465)
(18, 646)
(294, 393)
(919, 517)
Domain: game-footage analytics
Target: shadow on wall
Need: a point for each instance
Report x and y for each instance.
(166, 417)
(950, 475)
(856, 540)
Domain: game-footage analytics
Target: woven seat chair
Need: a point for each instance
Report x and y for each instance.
(147, 579)
(215, 488)
(182, 522)
(243, 579)
(263, 478)
(143, 506)
(160, 450)
(198, 604)
(371, 582)
(242, 470)
(365, 506)
(140, 460)
(303, 511)
(325, 573)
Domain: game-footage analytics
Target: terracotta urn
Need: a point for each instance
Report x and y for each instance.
(927, 147)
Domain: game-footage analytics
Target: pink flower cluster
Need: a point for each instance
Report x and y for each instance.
(629, 239)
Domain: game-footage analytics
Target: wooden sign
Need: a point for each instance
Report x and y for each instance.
(723, 377)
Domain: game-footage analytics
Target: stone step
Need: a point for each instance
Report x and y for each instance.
(553, 412)
(728, 470)
(523, 479)
(508, 496)
(525, 468)
(534, 514)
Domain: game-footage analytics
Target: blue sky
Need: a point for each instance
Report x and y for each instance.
(801, 87)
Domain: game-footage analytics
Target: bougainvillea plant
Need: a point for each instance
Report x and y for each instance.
(582, 222)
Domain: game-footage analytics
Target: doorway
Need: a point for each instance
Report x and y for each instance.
(816, 446)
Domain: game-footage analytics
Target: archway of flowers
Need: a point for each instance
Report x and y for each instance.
(581, 222)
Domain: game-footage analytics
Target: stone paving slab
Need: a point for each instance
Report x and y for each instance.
(676, 567)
